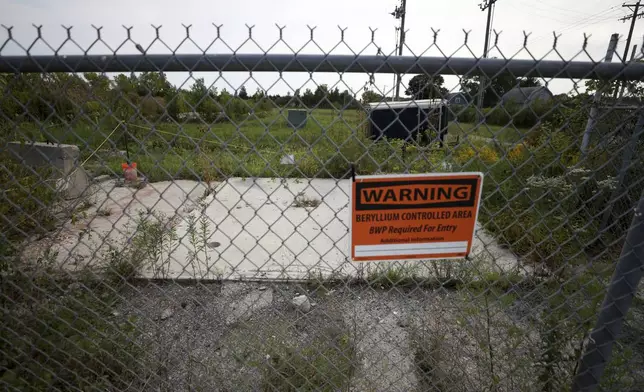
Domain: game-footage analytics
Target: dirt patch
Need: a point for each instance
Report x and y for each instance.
(241, 337)
(248, 336)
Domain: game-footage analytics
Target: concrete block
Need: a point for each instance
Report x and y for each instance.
(63, 157)
(74, 184)
(71, 179)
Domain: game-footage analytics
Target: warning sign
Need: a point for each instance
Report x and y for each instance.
(427, 216)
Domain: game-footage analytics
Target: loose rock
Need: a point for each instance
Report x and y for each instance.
(301, 303)
(167, 314)
(214, 244)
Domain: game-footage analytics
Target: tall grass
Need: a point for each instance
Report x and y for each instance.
(250, 147)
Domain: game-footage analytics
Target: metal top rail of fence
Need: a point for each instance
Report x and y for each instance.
(162, 236)
(321, 63)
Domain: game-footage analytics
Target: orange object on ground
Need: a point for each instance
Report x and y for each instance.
(129, 171)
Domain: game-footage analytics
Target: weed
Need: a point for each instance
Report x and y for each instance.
(315, 352)
(104, 212)
(62, 335)
(430, 358)
(85, 205)
(199, 236)
(151, 239)
(57, 333)
(78, 216)
(26, 204)
(318, 283)
(566, 318)
(488, 155)
(385, 275)
(326, 363)
(303, 201)
(121, 266)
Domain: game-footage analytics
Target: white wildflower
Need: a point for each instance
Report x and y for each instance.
(609, 183)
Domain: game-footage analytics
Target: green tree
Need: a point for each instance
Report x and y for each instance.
(495, 87)
(259, 94)
(197, 91)
(99, 84)
(370, 96)
(425, 87)
(241, 93)
(321, 92)
(529, 82)
(630, 88)
(126, 84)
(225, 96)
(175, 103)
(308, 99)
(153, 83)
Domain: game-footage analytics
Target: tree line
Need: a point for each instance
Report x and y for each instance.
(63, 96)
(427, 87)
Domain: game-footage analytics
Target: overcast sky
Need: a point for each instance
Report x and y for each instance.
(540, 17)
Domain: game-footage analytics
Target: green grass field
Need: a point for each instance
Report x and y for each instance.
(507, 134)
(253, 147)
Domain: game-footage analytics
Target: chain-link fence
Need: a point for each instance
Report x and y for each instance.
(162, 236)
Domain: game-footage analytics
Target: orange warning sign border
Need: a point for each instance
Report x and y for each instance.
(415, 177)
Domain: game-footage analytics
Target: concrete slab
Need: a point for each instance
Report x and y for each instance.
(243, 228)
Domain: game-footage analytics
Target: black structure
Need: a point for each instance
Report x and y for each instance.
(407, 120)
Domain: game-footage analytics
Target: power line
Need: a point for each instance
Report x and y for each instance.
(538, 12)
(634, 14)
(633, 17)
(592, 19)
(634, 8)
(598, 17)
(568, 10)
(550, 10)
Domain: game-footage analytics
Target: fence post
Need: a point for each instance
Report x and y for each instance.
(592, 117)
(627, 158)
(617, 301)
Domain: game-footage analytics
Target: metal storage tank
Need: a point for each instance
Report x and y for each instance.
(405, 119)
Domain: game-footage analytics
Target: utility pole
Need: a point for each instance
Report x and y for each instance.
(399, 13)
(592, 116)
(393, 90)
(633, 17)
(489, 6)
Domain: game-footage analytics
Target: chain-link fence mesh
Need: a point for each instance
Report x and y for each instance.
(161, 236)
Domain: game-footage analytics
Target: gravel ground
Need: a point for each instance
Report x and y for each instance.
(248, 336)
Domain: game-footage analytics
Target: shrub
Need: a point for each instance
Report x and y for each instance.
(93, 109)
(26, 204)
(208, 110)
(519, 116)
(498, 115)
(464, 114)
(68, 339)
(464, 155)
(488, 155)
(517, 153)
(262, 106)
(152, 108)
